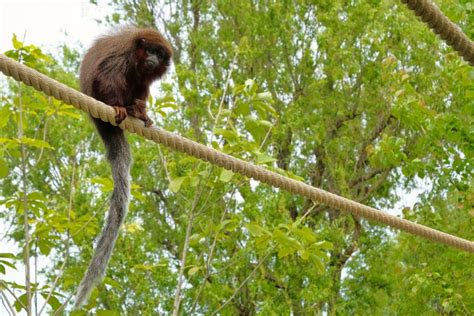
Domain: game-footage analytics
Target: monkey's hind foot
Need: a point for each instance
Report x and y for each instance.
(148, 122)
(120, 114)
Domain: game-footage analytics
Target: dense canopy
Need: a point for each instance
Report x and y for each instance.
(358, 98)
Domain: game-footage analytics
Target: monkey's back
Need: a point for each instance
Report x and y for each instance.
(106, 60)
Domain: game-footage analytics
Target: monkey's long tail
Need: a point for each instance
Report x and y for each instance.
(118, 154)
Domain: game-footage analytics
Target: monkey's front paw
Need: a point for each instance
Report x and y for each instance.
(139, 105)
(120, 114)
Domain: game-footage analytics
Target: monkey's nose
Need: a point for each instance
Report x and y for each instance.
(150, 63)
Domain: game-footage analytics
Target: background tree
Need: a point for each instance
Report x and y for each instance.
(358, 98)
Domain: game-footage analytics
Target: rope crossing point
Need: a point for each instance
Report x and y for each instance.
(100, 110)
(442, 25)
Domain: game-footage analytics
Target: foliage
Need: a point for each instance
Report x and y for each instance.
(335, 93)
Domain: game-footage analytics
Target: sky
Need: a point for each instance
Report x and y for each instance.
(47, 23)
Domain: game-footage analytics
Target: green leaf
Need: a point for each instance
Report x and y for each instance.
(249, 85)
(303, 254)
(6, 140)
(4, 170)
(9, 264)
(230, 136)
(38, 143)
(264, 96)
(285, 240)
(226, 175)
(16, 43)
(175, 184)
(5, 113)
(45, 246)
(104, 312)
(113, 283)
(194, 239)
(242, 108)
(264, 159)
(193, 271)
(326, 245)
(143, 267)
(73, 115)
(264, 109)
(305, 234)
(22, 299)
(52, 301)
(105, 184)
(36, 196)
(320, 268)
(256, 230)
(7, 255)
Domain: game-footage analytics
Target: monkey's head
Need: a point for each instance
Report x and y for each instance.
(153, 54)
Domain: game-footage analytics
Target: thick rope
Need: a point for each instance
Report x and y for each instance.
(442, 25)
(100, 110)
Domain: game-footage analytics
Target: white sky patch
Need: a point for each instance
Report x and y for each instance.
(48, 23)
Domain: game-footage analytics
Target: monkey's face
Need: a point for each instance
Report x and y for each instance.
(152, 60)
(155, 57)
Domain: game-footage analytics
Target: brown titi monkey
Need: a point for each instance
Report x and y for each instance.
(118, 70)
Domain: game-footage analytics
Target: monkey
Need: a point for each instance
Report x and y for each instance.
(118, 70)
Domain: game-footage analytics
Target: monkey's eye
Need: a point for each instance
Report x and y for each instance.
(157, 51)
(153, 51)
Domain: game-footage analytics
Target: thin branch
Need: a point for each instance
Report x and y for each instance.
(63, 306)
(36, 276)
(45, 128)
(177, 298)
(383, 123)
(26, 227)
(163, 163)
(374, 187)
(365, 177)
(243, 282)
(6, 304)
(61, 270)
(300, 220)
(58, 276)
(12, 294)
(209, 259)
(226, 86)
(267, 135)
(354, 243)
(94, 215)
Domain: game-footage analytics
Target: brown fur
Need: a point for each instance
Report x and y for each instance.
(114, 71)
(112, 68)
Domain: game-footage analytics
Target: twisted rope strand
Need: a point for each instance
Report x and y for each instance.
(442, 25)
(100, 110)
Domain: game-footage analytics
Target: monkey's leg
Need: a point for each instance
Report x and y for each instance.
(120, 113)
(138, 110)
